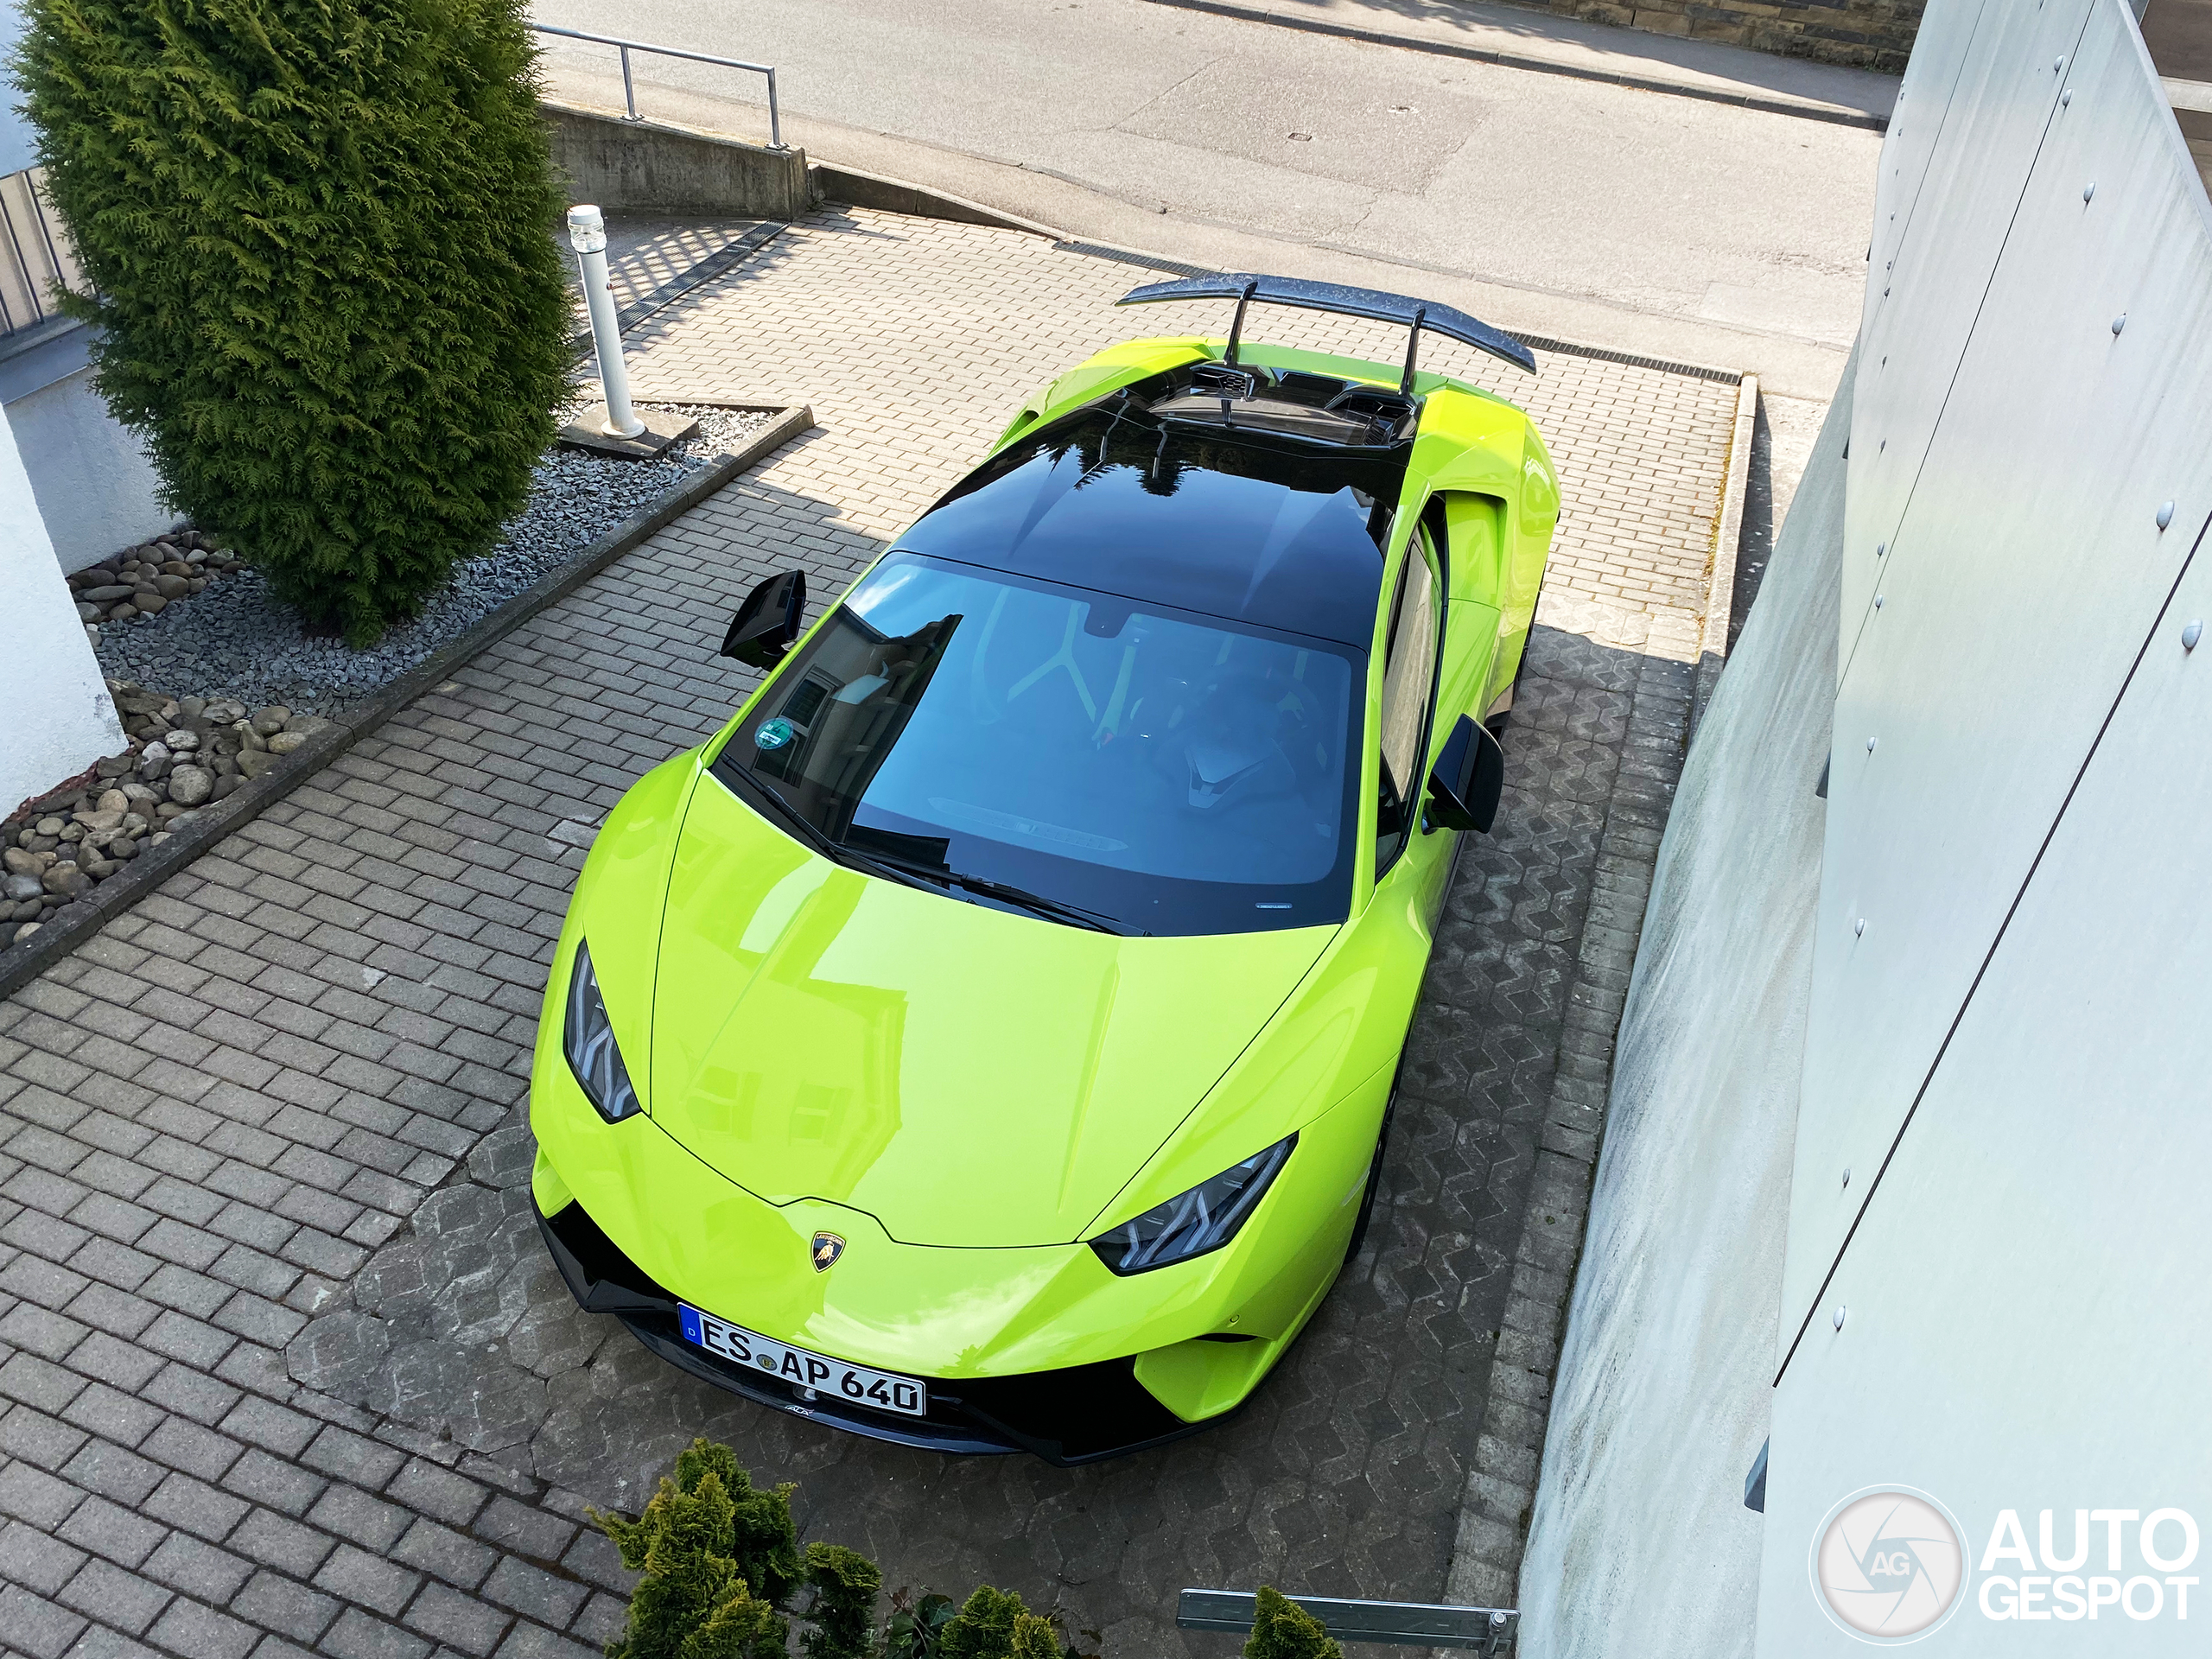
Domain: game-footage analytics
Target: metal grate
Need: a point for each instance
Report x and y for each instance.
(35, 256)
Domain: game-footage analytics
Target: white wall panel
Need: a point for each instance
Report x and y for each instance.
(2029, 1315)
(1931, 264)
(1924, 102)
(2029, 568)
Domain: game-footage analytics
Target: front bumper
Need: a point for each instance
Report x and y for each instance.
(1079, 1414)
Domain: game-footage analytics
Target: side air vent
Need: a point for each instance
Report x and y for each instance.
(1219, 380)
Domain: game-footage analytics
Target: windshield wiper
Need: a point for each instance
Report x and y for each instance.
(1074, 915)
(835, 852)
(928, 878)
(1054, 909)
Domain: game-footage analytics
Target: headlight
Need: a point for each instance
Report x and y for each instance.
(1205, 1218)
(588, 1040)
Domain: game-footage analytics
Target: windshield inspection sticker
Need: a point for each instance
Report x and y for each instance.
(772, 736)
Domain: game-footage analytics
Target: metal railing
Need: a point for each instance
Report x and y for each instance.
(629, 87)
(1486, 1631)
(35, 256)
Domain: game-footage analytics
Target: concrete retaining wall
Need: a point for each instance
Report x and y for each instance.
(1865, 33)
(1639, 1541)
(652, 167)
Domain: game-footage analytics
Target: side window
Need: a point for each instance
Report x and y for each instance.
(1409, 689)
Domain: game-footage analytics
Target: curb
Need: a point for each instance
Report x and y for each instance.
(1833, 114)
(20, 964)
(856, 188)
(1728, 550)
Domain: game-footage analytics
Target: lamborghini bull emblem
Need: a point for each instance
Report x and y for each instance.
(828, 1247)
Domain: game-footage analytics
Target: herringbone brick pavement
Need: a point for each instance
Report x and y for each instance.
(281, 1366)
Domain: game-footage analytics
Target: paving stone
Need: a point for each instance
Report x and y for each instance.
(37, 1438)
(198, 1568)
(30, 1557)
(40, 1628)
(290, 1610)
(357, 1576)
(114, 1597)
(33, 1496)
(189, 1628)
(458, 1621)
(193, 1504)
(274, 1540)
(534, 1592)
(106, 1530)
(357, 1635)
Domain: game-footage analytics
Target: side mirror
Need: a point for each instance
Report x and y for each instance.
(1470, 776)
(768, 625)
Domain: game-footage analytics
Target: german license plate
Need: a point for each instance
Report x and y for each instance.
(883, 1390)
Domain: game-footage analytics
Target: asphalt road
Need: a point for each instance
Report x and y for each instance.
(1645, 222)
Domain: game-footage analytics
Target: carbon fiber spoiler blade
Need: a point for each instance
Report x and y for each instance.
(1411, 314)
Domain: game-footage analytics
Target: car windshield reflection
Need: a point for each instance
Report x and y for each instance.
(1167, 771)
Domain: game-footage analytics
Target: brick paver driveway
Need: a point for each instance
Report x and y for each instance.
(280, 1360)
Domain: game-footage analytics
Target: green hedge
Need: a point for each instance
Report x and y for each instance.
(318, 232)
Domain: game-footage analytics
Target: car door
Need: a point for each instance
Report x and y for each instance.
(1411, 866)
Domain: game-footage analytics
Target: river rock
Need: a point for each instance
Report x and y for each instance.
(21, 862)
(113, 800)
(49, 826)
(148, 603)
(67, 880)
(254, 762)
(20, 887)
(169, 586)
(182, 741)
(285, 742)
(189, 786)
(270, 719)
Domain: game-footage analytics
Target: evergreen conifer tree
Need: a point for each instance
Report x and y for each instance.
(318, 235)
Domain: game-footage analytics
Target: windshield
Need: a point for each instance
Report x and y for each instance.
(1162, 771)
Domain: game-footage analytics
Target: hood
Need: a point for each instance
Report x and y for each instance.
(966, 1075)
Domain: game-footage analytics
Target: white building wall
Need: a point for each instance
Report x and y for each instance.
(1994, 1283)
(60, 718)
(2007, 1305)
(94, 484)
(93, 481)
(1640, 1543)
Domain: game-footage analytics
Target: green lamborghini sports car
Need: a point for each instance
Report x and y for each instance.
(986, 1042)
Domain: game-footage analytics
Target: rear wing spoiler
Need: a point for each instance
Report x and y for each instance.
(1413, 314)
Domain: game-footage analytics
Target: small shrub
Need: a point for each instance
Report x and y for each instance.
(317, 231)
(1283, 1629)
(843, 1612)
(718, 1557)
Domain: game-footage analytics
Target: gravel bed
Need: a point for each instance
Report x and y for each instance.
(234, 640)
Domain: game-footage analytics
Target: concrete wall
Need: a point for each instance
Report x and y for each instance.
(651, 166)
(60, 717)
(1660, 1400)
(93, 482)
(1865, 33)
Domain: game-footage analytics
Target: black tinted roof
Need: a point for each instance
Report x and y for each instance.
(1274, 532)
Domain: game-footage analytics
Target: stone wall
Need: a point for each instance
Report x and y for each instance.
(1865, 33)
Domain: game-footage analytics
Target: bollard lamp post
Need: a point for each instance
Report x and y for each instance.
(588, 235)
